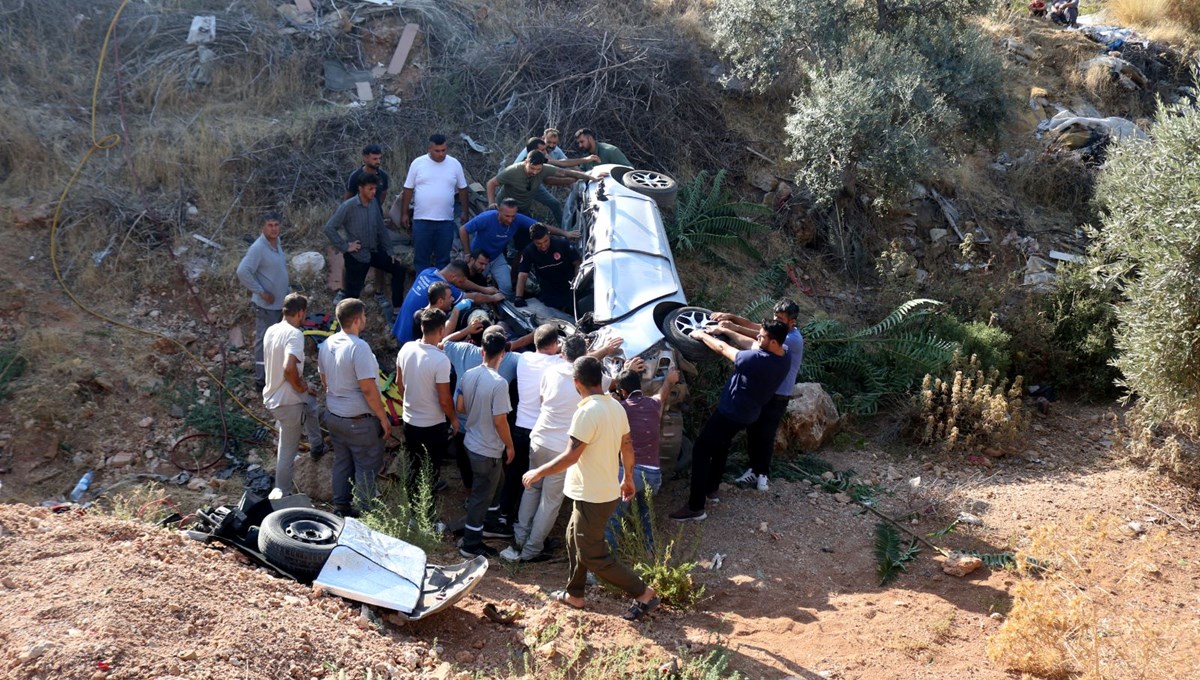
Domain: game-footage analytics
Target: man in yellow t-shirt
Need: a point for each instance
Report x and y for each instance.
(599, 435)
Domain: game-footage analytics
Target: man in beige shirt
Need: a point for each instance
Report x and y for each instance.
(599, 432)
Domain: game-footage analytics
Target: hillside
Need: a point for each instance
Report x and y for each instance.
(119, 330)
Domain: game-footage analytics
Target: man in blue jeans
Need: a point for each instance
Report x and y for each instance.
(433, 181)
(645, 429)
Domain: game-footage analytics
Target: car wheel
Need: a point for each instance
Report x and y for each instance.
(299, 540)
(677, 325)
(652, 183)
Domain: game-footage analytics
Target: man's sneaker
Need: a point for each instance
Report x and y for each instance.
(497, 530)
(346, 511)
(315, 453)
(686, 514)
(714, 497)
(510, 554)
(746, 478)
(477, 550)
(762, 483)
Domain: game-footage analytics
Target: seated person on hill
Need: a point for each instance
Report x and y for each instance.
(554, 261)
(1037, 8)
(1065, 13)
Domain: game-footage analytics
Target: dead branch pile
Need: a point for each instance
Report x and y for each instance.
(640, 87)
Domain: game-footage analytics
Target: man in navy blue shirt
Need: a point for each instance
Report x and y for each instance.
(757, 374)
(760, 437)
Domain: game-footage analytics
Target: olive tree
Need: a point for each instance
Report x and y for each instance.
(1150, 198)
(879, 82)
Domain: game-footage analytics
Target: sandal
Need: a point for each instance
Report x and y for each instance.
(561, 596)
(637, 610)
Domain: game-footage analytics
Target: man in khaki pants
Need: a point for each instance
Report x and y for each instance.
(599, 431)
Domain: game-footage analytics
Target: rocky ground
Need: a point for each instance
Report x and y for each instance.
(797, 595)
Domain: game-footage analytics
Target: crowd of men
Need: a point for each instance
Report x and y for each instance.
(530, 421)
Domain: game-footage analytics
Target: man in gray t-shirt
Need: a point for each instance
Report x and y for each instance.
(483, 396)
(263, 270)
(357, 421)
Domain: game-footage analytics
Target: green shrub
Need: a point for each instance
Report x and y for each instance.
(878, 85)
(874, 121)
(413, 520)
(1150, 195)
(1083, 316)
(991, 344)
(661, 569)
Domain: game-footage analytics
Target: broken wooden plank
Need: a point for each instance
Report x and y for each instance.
(305, 6)
(364, 91)
(402, 48)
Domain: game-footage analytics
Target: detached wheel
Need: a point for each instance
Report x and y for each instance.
(299, 540)
(677, 325)
(654, 184)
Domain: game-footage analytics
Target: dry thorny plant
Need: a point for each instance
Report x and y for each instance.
(1082, 608)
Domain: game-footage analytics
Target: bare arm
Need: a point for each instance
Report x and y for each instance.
(371, 393)
(522, 279)
(501, 423)
(291, 373)
(610, 346)
(492, 185)
(405, 201)
(447, 404)
(476, 326)
(627, 488)
(574, 174)
(573, 162)
(461, 402)
(523, 341)
(560, 463)
(463, 203)
(465, 237)
(736, 337)
(664, 392)
(723, 348)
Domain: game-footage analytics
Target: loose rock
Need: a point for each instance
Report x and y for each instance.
(961, 565)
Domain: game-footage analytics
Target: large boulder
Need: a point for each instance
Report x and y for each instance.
(811, 419)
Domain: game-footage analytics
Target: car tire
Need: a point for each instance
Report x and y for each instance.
(299, 540)
(661, 187)
(678, 323)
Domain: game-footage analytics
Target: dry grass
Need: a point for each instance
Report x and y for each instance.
(1084, 608)
(1169, 21)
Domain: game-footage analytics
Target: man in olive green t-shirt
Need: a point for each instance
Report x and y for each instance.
(585, 140)
(521, 181)
(599, 432)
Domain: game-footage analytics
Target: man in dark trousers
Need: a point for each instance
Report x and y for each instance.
(366, 243)
(757, 373)
(760, 437)
(263, 270)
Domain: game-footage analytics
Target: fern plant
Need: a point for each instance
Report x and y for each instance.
(861, 368)
(890, 553)
(707, 217)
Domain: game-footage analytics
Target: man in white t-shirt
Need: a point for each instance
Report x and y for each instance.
(355, 416)
(600, 447)
(433, 181)
(531, 366)
(288, 398)
(541, 501)
(423, 374)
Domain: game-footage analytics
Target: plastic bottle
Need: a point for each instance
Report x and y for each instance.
(84, 482)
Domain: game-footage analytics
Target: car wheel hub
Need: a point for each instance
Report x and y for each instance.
(309, 531)
(649, 179)
(691, 321)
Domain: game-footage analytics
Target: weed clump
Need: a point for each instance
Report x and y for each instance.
(653, 559)
(970, 412)
(410, 519)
